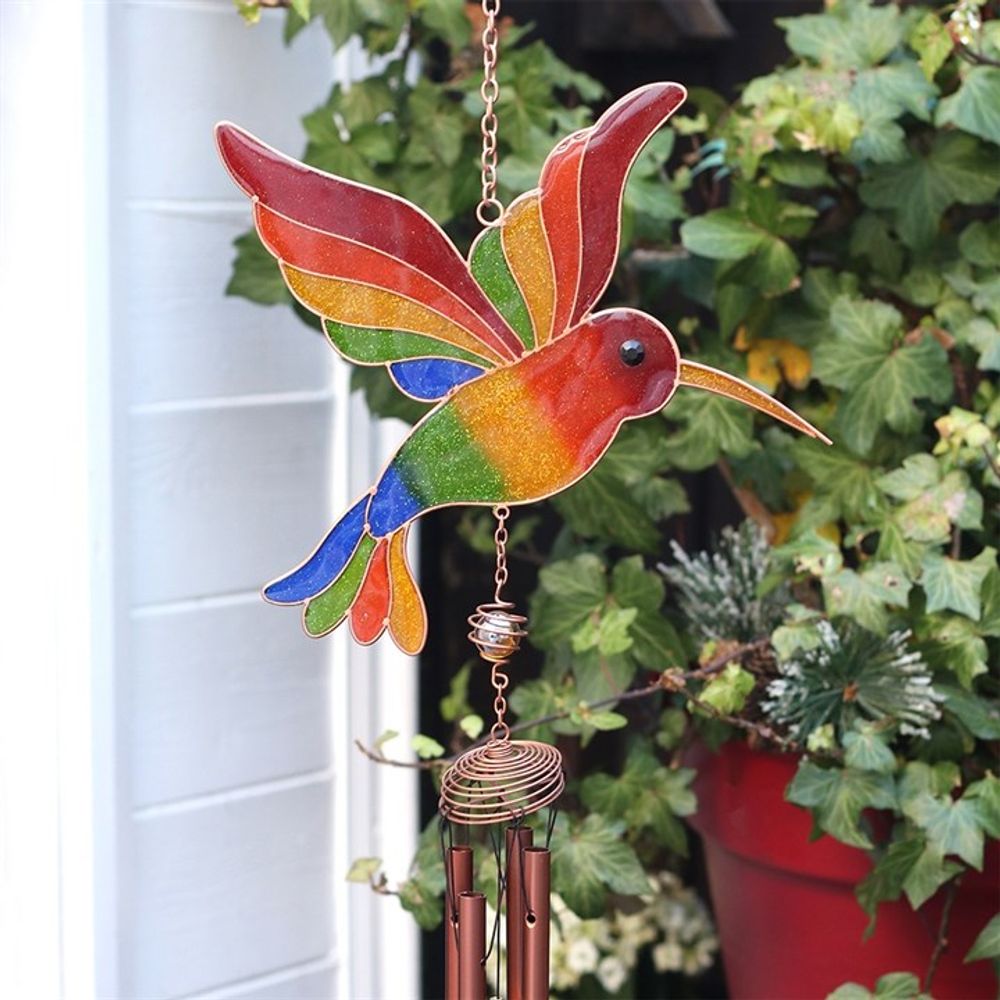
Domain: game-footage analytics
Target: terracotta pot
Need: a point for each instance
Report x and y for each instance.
(788, 921)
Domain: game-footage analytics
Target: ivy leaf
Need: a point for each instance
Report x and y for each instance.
(932, 502)
(980, 715)
(985, 795)
(570, 591)
(845, 486)
(919, 778)
(363, 869)
(931, 41)
(884, 883)
(836, 797)
(975, 106)
(987, 943)
(929, 872)
(634, 586)
(710, 426)
(722, 234)
(590, 857)
(880, 373)
(471, 725)
(953, 642)
(447, 19)
(867, 749)
(865, 596)
(608, 632)
(957, 168)
(952, 827)
(845, 37)
(599, 676)
(656, 643)
(980, 243)
(646, 795)
(956, 584)
(728, 691)
(426, 747)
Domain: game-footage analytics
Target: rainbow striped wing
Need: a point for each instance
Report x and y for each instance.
(390, 286)
(549, 261)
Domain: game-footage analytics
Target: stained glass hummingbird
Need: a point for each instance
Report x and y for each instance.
(531, 384)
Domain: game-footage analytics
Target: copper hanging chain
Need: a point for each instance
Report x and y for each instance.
(490, 210)
(500, 730)
(501, 513)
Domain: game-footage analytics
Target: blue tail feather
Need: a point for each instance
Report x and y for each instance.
(325, 564)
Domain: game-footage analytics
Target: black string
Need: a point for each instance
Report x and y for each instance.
(551, 824)
(495, 844)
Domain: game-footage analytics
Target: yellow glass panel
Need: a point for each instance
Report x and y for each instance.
(365, 305)
(407, 617)
(527, 253)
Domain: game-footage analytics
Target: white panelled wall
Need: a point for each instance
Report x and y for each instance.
(227, 798)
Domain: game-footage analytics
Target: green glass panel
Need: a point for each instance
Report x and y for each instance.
(489, 268)
(441, 463)
(326, 611)
(374, 347)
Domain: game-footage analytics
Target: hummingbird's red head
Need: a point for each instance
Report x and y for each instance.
(640, 357)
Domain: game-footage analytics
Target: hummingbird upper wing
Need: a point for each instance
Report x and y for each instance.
(390, 286)
(549, 260)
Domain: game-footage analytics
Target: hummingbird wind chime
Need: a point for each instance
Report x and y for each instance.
(531, 387)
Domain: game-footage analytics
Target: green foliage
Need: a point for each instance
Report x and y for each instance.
(833, 236)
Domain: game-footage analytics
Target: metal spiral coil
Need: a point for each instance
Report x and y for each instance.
(496, 631)
(501, 781)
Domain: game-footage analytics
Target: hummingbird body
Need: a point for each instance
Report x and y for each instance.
(531, 385)
(523, 432)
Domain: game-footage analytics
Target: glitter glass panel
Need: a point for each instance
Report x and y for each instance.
(407, 617)
(431, 378)
(334, 256)
(489, 267)
(326, 612)
(612, 147)
(323, 566)
(560, 203)
(369, 217)
(371, 607)
(527, 253)
(369, 346)
(356, 304)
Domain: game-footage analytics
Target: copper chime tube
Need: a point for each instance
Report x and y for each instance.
(518, 839)
(458, 872)
(537, 865)
(471, 946)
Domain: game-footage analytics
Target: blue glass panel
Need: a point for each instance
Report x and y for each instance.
(325, 564)
(393, 504)
(431, 378)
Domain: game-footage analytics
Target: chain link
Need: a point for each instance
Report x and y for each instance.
(501, 513)
(490, 210)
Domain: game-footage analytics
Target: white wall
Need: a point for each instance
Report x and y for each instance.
(226, 798)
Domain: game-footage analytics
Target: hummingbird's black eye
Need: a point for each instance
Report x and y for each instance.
(632, 352)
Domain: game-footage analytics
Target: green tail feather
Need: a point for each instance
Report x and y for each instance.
(326, 611)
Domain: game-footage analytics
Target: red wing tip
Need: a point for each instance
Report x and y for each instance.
(238, 150)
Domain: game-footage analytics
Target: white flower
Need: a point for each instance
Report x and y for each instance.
(667, 956)
(582, 955)
(612, 973)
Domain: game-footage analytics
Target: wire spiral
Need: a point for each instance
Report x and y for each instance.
(501, 781)
(497, 631)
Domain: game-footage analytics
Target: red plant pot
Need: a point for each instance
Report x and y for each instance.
(790, 926)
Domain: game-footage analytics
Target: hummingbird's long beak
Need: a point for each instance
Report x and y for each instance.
(703, 377)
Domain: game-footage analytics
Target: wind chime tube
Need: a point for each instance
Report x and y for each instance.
(471, 946)
(458, 873)
(537, 866)
(518, 840)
